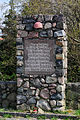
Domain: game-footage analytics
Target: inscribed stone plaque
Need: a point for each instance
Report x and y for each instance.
(39, 56)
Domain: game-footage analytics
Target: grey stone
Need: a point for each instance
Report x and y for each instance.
(56, 97)
(50, 33)
(11, 97)
(20, 27)
(28, 20)
(40, 18)
(20, 90)
(19, 47)
(60, 88)
(4, 96)
(5, 103)
(44, 85)
(29, 27)
(19, 82)
(26, 79)
(40, 111)
(60, 103)
(30, 92)
(47, 25)
(59, 108)
(21, 99)
(44, 93)
(52, 91)
(59, 72)
(22, 33)
(43, 34)
(52, 103)
(19, 70)
(32, 88)
(3, 86)
(59, 63)
(12, 105)
(36, 83)
(42, 80)
(59, 50)
(19, 40)
(23, 107)
(44, 105)
(37, 92)
(60, 33)
(59, 25)
(20, 58)
(31, 101)
(26, 84)
(51, 79)
(61, 80)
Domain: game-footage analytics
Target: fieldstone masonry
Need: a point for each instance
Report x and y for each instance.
(41, 62)
(8, 93)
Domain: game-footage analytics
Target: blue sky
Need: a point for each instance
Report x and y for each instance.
(3, 8)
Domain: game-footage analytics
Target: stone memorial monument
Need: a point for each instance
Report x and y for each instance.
(41, 62)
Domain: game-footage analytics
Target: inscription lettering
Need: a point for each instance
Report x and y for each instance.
(38, 57)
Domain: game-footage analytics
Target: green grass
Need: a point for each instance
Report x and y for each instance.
(53, 118)
(28, 116)
(77, 112)
(7, 116)
(41, 117)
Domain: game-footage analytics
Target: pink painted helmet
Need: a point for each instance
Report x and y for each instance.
(38, 25)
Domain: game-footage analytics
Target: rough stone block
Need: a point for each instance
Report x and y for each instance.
(59, 25)
(28, 20)
(59, 63)
(59, 72)
(60, 43)
(29, 27)
(56, 97)
(20, 27)
(19, 52)
(19, 47)
(59, 108)
(47, 25)
(61, 80)
(59, 56)
(40, 18)
(19, 40)
(37, 92)
(19, 82)
(51, 79)
(23, 107)
(19, 63)
(19, 58)
(59, 50)
(52, 91)
(50, 33)
(43, 34)
(31, 101)
(26, 84)
(21, 99)
(32, 35)
(19, 70)
(61, 103)
(44, 105)
(52, 103)
(22, 33)
(44, 93)
(60, 33)
(54, 24)
(60, 88)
